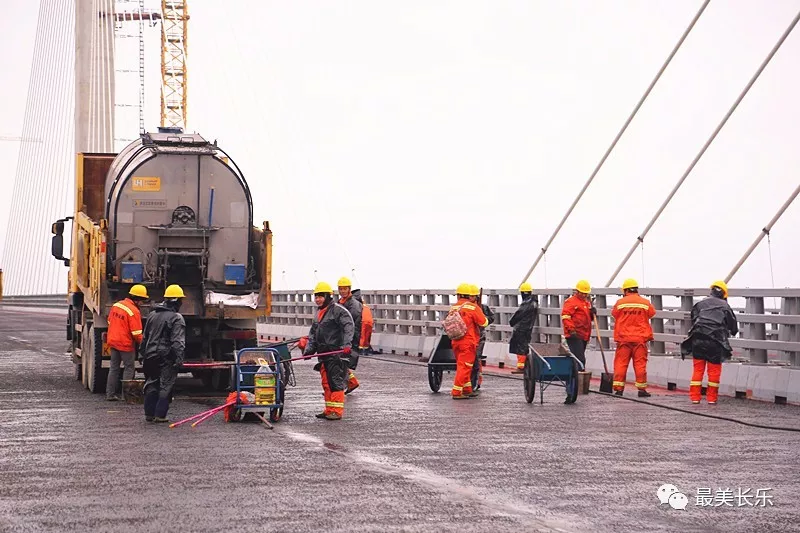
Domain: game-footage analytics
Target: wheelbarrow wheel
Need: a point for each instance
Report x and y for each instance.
(276, 413)
(572, 383)
(435, 377)
(530, 375)
(236, 415)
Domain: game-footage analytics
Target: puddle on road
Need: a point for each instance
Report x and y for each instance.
(447, 486)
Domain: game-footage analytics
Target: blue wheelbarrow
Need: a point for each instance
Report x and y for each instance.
(549, 363)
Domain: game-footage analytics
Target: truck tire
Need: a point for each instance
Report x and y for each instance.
(96, 375)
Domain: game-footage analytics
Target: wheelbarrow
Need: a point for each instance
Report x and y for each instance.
(549, 363)
(442, 358)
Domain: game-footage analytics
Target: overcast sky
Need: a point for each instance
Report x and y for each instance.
(425, 143)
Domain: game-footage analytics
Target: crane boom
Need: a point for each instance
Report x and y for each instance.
(175, 15)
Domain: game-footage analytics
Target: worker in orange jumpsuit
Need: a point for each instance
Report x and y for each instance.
(355, 308)
(632, 332)
(576, 316)
(331, 331)
(476, 378)
(466, 348)
(124, 335)
(713, 321)
(367, 323)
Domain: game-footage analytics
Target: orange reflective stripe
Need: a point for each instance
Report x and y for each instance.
(137, 332)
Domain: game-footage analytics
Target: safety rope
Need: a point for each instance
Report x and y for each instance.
(642, 282)
(771, 269)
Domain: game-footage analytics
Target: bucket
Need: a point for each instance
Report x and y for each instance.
(133, 390)
(583, 382)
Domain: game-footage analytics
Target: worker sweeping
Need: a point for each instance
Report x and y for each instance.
(331, 331)
(522, 322)
(162, 352)
(355, 309)
(632, 332)
(367, 324)
(480, 360)
(124, 336)
(462, 327)
(713, 321)
(576, 316)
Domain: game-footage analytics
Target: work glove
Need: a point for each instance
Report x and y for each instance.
(346, 350)
(177, 364)
(302, 343)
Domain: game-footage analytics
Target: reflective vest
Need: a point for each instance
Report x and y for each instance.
(124, 326)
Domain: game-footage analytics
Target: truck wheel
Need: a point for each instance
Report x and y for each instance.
(220, 380)
(78, 371)
(96, 375)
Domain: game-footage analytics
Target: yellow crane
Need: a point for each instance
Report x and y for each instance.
(174, 37)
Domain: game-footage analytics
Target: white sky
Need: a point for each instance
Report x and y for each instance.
(426, 143)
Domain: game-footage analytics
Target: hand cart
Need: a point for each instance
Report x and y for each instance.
(549, 362)
(442, 358)
(284, 349)
(261, 362)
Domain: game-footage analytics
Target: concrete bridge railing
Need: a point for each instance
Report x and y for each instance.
(406, 321)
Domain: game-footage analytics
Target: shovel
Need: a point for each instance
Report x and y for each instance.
(606, 379)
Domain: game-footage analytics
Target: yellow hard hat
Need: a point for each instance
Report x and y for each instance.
(721, 285)
(323, 287)
(139, 291)
(525, 287)
(174, 291)
(583, 286)
(474, 290)
(630, 283)
(464, 288)
(344, 282)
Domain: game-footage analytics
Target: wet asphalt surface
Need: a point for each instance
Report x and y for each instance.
(403, 459)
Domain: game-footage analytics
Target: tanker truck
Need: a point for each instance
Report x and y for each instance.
(171, 207)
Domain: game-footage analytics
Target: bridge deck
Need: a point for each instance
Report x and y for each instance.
(403, 458)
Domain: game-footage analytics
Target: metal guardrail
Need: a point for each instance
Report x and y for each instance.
(54, 301)
(766, 334)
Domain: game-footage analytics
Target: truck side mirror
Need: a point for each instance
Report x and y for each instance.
(57, 245)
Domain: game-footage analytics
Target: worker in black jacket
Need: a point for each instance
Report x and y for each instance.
(332, 330)
(355, 308)
(713, 321)
(480, 359)
(162, 352)
(522, 323)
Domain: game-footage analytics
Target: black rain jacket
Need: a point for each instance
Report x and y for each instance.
(523, 322)
(164, 335)
(713, 321)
